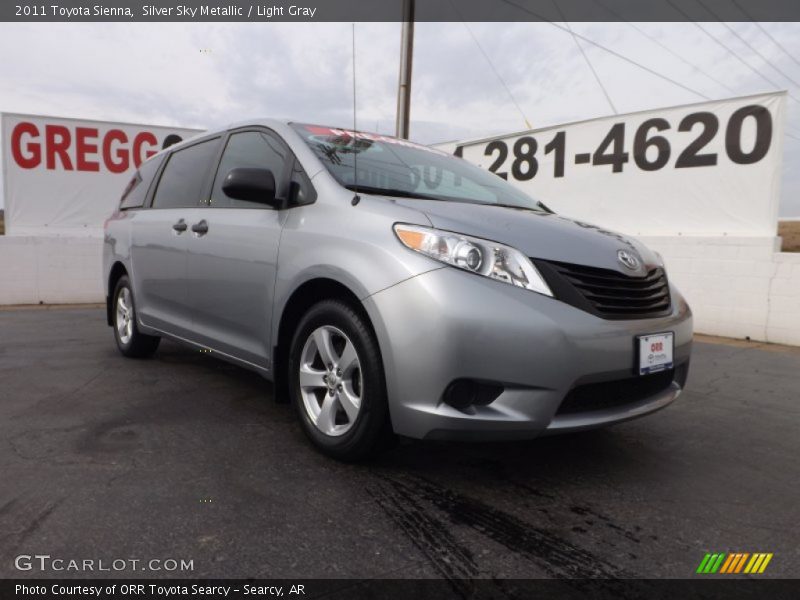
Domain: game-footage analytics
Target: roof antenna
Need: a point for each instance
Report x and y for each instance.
(356, 199)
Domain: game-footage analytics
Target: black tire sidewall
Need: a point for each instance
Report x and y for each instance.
(372, 419)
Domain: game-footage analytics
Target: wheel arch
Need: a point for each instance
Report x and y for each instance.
(301, 299)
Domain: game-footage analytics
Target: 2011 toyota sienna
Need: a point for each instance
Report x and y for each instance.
(389, 288)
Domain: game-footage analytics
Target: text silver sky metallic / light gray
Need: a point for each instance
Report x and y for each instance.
(417, 295)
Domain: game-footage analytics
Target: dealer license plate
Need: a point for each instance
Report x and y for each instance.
(655, 352)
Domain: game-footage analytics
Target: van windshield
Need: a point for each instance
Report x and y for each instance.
(396, 167)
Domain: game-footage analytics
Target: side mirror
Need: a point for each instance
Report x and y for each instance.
(252, 185)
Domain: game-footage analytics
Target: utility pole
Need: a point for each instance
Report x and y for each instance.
(406, 60)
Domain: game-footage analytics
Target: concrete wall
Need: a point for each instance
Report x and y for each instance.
(50, 270)
(737, 286)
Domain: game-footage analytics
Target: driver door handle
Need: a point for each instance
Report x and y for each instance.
(200, 228)
(180, 226)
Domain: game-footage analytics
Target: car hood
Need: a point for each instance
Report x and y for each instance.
(538, 235)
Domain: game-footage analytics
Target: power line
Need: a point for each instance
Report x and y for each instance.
(725, 47)
(492, 67)
(764, 58)
(609, 50)
(586, 58)
(637, 64)
(759, 73)
(767, 33)
(667, 48)
(729, 50)
(748, 44)
(744, 62)
(497, 74)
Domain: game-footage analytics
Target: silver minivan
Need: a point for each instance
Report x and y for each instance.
(389, 288)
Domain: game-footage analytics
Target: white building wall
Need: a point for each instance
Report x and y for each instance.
(783, 316)
(50, 270)
(737, 286)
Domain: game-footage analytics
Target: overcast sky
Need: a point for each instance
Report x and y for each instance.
(206, 75)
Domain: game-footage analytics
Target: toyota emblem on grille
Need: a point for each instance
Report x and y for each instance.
(628, 259)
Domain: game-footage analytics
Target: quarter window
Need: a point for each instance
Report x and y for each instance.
(182, 181)
(304, 192)
(136, 192)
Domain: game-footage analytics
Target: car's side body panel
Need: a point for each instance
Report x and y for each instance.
(230, 281)
(158, 269)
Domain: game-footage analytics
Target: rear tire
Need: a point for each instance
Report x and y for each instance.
(130, 341)
(336, 382)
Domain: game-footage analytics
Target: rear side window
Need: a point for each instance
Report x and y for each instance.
(255, 150)
(181, 184)
(136, 192)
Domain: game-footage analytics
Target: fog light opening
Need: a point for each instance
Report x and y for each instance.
(463, 394)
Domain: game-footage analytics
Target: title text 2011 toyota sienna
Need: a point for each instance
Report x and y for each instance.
(390, 288)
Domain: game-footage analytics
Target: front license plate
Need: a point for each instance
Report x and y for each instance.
(655, 352)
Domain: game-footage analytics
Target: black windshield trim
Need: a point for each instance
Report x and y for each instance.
(373, 191)
(379, 191)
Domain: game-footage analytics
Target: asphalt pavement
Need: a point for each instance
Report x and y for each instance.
(185, 457)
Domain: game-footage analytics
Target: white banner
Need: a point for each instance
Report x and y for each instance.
(712, 168)
(66, 176)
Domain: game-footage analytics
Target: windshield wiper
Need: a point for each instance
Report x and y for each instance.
(367, 189)
(518, 206)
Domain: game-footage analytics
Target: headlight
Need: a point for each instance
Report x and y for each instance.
(483, 257)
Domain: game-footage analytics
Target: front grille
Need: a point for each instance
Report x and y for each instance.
(607, 293)
(611, 394)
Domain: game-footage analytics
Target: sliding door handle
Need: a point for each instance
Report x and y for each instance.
(200, 228)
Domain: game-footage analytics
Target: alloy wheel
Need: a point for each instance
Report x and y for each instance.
(330, 380)
(124, 315)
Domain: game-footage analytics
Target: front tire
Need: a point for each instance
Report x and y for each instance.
(336, 382)
(130, 341)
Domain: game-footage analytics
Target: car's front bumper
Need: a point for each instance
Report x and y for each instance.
(447, 324)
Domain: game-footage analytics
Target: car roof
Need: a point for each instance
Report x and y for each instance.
(281, 126)
(271, 123)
